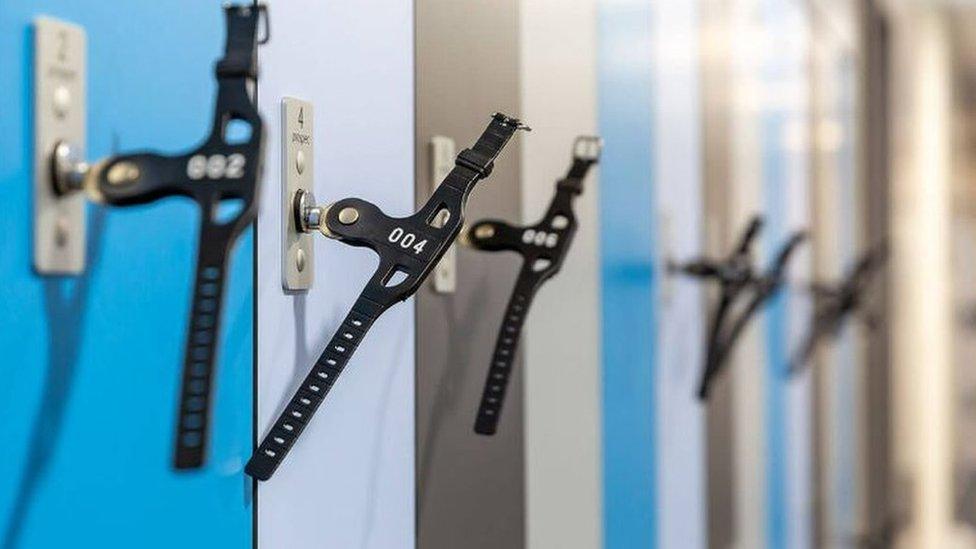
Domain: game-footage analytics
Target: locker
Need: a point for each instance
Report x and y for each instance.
(758, 423)
(348, 481)
(678, 207)
(711, 113)
(94, 360)
(469, 487)
(784, 116)
(629, 280)
(839, 366)
(716, 472)
(562, 344)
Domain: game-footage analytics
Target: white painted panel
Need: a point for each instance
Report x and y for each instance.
(680, 431)
(562, 343)
(838, 365)
(921, 274)
(349, 481)
(748, 361)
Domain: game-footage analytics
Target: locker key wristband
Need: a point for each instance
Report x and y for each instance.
(763, 287)
(224, 167)
(835, 302)
(408, 249)
(543, 247)
(736, 279)
(733, 274)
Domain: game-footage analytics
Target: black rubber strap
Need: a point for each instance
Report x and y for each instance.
(385, 235)
(221, 169)
(763, 288)
(313, 389)
(731, 332)
(733, 274)
(240, 60)
(833, 303)
(543, 248)
(200, 356)
(712, 361)
(503, 357)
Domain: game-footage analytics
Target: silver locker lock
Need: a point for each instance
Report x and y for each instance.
(443, 152)
(60, 65)
(297, 168)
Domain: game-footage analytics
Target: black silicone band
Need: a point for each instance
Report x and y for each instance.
(547, 242)
(762, 287)
(216, 171)
(712, 361)
(503, 357)
(319, 381)
(200, 352)
(372, 230)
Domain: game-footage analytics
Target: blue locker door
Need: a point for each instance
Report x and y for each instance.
(91, 364)
(629, 281)
(782, 119)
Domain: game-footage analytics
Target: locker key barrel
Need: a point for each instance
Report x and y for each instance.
(223, 171)
(408, 249)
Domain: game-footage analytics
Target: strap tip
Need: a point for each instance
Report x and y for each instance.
(510, 121)
(184, 462)
(588, 148)
(486, 430)
(257, 470)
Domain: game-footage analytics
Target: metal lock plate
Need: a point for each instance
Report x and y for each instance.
(443, 151)
(297, 248)
(60, 51)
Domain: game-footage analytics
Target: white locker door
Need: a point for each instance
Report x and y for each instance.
(349, 479)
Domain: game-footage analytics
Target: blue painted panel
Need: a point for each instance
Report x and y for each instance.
(776, 333)
(91, 364)
(627, 270)
(783, 118)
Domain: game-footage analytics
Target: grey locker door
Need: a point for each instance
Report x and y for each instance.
(470, 488)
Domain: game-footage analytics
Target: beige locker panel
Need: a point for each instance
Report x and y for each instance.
(470, 488)
(561, 339)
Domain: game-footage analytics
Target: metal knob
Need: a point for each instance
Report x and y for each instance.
(68, 170)
(308, 216)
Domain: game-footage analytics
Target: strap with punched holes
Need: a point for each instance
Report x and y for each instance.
(543, 247)
(408, 249)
